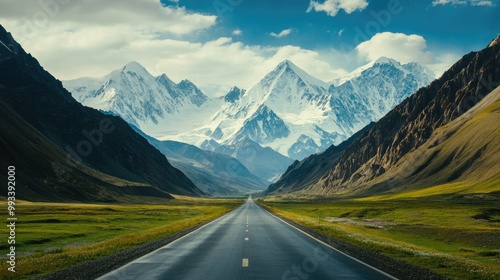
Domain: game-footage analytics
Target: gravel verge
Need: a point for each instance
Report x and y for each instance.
(399, 269)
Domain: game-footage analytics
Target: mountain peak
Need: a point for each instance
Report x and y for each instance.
(134, 66)
(234, 94)
(186, 83)
(386, 60)
(495, 42)
(164, 77)
(288, 64)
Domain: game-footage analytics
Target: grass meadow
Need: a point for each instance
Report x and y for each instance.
(54, 236)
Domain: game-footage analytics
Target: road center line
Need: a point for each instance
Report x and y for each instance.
(246, 238)
(244, 263)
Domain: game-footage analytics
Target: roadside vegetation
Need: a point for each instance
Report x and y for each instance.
(457, 239)
(55, 236)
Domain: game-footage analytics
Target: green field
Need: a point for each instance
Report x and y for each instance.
(54, 236)
(456, 240)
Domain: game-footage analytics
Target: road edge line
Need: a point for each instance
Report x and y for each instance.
(329, 246)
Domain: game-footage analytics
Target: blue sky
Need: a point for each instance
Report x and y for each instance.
(461, 27)
(222, 43)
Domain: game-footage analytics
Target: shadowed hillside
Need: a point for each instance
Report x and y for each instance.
(104, 143)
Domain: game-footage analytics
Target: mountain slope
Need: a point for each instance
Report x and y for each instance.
(375, 90)
(264, 162)
(288, 110)
(303, 174)
(104, 143)
(215, 174)
(461, 157)
(155, 105)
(297, 114)
(409, 126)
(46, 173)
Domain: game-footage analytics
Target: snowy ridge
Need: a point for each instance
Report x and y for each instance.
(151, 103)
(305, 115)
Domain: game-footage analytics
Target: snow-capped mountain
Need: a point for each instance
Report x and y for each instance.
(297, 114)
(373, 90)
(151, 103)
(288, 110)
(284, 105)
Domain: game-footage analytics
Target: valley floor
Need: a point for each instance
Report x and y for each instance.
(456, 239)
(54, 236)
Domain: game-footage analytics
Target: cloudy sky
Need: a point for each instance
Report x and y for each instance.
(221, 43)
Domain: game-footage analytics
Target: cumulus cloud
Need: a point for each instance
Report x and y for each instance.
(282, 34)
(332, 7)
(223, 63)
(237, 32)
(404, 48)
(488, 3)
(91, 38)
(146, 16)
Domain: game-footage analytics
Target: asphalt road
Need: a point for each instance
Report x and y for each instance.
(248, 243)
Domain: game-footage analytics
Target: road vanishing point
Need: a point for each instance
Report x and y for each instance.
(247, 243)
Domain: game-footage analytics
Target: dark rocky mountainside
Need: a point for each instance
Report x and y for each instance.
(104, 143)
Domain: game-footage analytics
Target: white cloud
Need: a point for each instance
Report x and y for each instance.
(341, 31)
(237, 32)
(92, 38)
(220, 64)
(143, 16)
(404, 48)
(73, 49)
(488, 3)
(282, 34)
(332, 7)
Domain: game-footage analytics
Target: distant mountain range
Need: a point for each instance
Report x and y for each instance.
(288, 111)
(64, 151)
(215, 174)
(446, 135)
(298, 115)
(349, 137)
